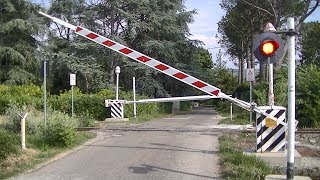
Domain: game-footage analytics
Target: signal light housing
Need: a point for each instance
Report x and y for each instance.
(268, 45)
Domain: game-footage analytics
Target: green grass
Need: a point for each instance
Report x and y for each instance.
(236, 165)
(235, 120)
(35, 154)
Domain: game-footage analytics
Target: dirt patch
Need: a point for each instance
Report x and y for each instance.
(11, 161)
(308, 152)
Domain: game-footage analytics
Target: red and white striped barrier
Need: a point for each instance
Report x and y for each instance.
(153, 63)
(137, 56)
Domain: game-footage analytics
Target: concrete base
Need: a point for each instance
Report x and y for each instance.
(117, 119)
(284, 177)
(276, 158)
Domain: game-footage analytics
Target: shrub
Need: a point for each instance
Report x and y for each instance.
(185, 105)
(84, 104)
(20, 95)
(86, 121)
(59, 130)
(308, 94)
(33, 120)
(9, 143)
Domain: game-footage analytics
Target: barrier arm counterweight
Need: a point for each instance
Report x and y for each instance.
(153, 63)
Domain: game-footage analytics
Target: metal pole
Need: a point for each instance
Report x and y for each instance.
(117, 93)
(267, 70)
(117, 83)
(271, 94)
(291, 98)
(45, 92)
(72, 110)
(250, 102)
(231, 111)
(134, 97)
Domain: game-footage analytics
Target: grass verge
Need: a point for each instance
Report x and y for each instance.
(236, 165)
(235, 120)
(35, 154)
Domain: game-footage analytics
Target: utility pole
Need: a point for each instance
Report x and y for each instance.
(45, 92)
(291, 97)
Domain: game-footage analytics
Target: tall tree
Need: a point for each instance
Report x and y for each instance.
(310, 44)
(19, 27)
(158, 28)
(244, 18)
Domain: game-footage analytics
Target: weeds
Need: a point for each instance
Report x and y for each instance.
(236, 165)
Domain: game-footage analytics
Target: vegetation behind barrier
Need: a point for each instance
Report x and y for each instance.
(88, 105)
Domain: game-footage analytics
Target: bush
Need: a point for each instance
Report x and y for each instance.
(34, 120)
(86, 121)
(84, 104)
(308, 94)
(185, 105)
(9, 143)
(59, 130)
(20, 95)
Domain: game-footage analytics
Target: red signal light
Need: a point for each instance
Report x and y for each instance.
(268, 48)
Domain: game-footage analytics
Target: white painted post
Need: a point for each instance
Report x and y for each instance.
(271, 94)
(72, 83)
(23, 131)
(251, 89)
(291, 98)
(231, 111)
(134, 97)
(117, 83)
(72, 111)
(45, 92)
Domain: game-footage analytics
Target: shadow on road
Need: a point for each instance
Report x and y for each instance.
(156, 148)
(186, 148)
(144, 169)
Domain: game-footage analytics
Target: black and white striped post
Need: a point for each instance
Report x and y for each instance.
(271, 129)
(116, 109)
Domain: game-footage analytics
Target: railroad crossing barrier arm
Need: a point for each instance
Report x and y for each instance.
(172, 99)
(152, 63)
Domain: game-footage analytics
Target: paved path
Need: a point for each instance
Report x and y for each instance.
(145, 155)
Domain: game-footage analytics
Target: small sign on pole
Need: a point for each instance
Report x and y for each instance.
(72, 79)
(250, 74)
(72, 83)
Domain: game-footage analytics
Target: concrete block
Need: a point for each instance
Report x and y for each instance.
(117, 119)
(284, 177)
(276, 158)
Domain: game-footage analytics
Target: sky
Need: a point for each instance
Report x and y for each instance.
(205, 25)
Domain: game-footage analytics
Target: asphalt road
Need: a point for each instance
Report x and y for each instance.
(145, 155)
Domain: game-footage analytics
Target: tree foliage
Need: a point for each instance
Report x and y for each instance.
(308, 96)
(156, 28)
(310, 44)
(19, 27)
(245, 18)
